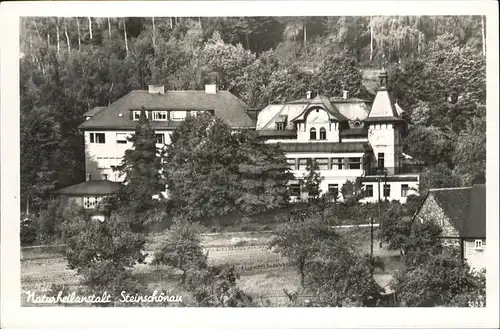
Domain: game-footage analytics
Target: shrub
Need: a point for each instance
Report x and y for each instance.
(103, 252)
(182, 248)
(28, 230)
(217, 287)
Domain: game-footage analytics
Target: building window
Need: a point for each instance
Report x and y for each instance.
(160, 138)
(121, 138)
(303, 164)
(280, 126)
(478, 244)
(90, 202)
(404, 190)
(97, 138)
(381, 161)
(160, 115)
(294, 189)
(312, 134)
(178, 115)
(322, 133)
(337, 163)
(333, 189)
(387, 190)
(137, 115)
(354, 163)
(291, 163)
(322, 163)
(369, 190)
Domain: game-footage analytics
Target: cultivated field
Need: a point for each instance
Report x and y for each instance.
(262, 272)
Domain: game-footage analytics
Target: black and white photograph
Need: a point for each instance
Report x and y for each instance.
(264, 161)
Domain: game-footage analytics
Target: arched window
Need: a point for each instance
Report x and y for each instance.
(322, 133)
(313, 133)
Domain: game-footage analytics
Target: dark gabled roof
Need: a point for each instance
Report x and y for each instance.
(355, 147)
(354, 132)
(323, 102)
(475, 225)
(93, 187)
(224, 104)
(94, 111)
(253, 115)
(465, 207)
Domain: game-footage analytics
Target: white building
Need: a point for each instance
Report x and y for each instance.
(106, 128)
(346, 139)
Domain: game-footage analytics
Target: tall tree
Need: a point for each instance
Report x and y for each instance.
(206, 163)
(141, 167)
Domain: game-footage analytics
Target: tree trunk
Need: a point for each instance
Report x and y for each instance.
(110, 93)
(67, 37)
(246, 38)
(79, 35)
(125, 35)
(305, 37)
(109, 28)
(57, 34)
(483, 35)
(371, 38)
(90, 27)
(154, 32)
(199, 22)
(171, 23)
(48, 41)
(27, 205)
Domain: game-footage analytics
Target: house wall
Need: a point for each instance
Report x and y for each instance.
(431, 211)
(476, 258)
(317, 119)
(385, 138)
(395, 193)
(99, 158)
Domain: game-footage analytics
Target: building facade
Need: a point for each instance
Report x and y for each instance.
(461, 214)
(346, 139)
(106, 129)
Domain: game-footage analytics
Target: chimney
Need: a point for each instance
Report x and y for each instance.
(104, 176)
(211, 89)
(156, 89)
(345, 94)
(308, 94)
(89, 177)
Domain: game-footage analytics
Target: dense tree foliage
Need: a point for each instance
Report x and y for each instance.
(212, 171)
(103, 253)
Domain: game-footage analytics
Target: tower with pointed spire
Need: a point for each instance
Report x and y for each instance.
(385, 128)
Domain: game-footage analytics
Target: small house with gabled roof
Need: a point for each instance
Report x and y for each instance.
(461, 213)
(89, 193)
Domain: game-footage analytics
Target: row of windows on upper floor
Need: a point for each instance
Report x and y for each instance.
(121, 138)
(164, 115)
(353, 163)
(333, 189)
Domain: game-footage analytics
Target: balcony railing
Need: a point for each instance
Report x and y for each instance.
(407, 169)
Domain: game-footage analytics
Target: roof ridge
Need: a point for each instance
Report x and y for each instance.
(449, 188)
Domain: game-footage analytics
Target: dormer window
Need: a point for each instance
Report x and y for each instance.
(137, 115)
(280, 126)
(357, 123)
(312, 134)
(160, 115)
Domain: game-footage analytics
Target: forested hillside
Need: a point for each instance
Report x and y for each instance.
(436, 65)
